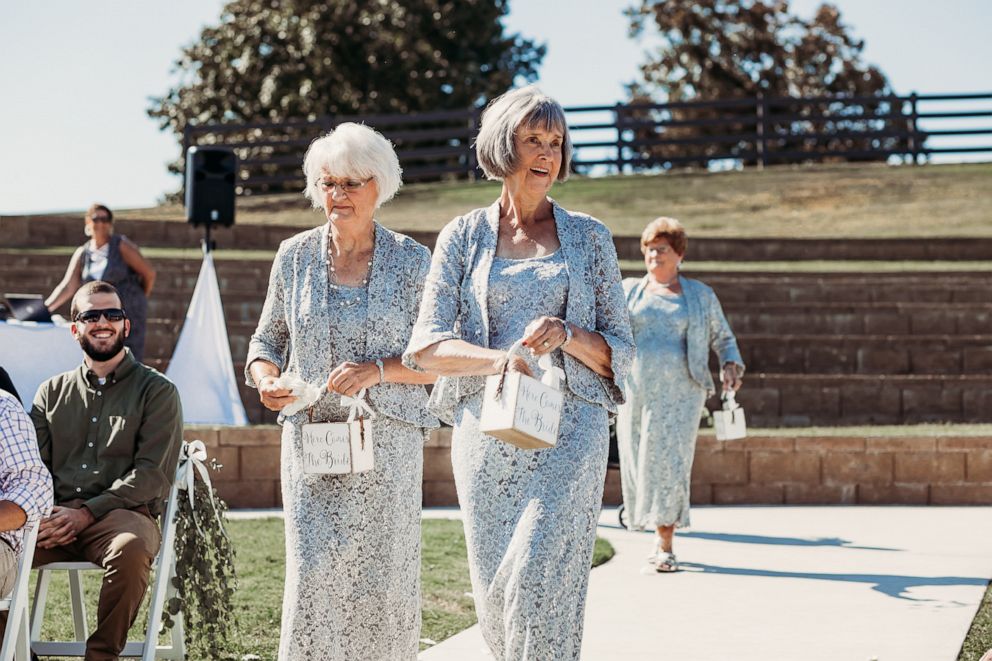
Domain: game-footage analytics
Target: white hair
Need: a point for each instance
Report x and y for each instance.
(352, 150)
(523, 107)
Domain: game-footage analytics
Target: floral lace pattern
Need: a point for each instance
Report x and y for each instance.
(657, 427)
(666, 392)
(457, 292)
(352, 587)
(530, 516)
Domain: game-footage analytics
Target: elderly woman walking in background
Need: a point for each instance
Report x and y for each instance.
(524, 268)
(116, 259)
(340, 307)
(676, 321)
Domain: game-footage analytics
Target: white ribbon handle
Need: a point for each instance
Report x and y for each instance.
(553, 375)
(192, 458)
(356, 405)
(729, 401)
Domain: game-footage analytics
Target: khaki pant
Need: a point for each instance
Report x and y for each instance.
(124, 543)
(8, 569)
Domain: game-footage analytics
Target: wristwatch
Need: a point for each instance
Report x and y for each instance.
(382, 370)
(568, 333)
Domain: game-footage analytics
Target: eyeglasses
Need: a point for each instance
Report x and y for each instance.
(100, 219)
(112, 315)
(348, 185)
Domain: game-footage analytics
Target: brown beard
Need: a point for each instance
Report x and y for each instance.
(98, 355)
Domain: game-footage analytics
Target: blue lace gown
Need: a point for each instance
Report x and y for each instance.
(530, 515)
(353, 541)
(658, 425)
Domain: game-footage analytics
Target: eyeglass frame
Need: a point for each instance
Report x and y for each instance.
(101, 313)
(329, 188)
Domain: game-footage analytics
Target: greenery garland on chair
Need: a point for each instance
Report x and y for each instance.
(205, 578)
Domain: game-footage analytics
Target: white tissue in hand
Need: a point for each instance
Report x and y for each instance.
(306, 394)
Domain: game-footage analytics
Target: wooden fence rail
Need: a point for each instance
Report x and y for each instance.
(642, 137)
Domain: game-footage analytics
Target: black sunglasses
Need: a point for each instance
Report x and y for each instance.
(92, 316)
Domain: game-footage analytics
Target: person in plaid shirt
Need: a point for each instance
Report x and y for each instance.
(25, 486)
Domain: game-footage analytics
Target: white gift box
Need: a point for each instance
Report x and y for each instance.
(521, 410)
(339, 448)
(729, 422)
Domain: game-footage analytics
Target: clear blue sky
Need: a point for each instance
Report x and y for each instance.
(77, 75)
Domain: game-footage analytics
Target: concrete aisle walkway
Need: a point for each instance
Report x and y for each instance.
(786, 584)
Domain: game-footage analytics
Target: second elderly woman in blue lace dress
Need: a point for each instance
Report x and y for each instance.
(341, 304)
(676, 322)
(524, 268)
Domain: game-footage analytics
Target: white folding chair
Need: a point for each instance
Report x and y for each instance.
(15, 638)
(163, 590)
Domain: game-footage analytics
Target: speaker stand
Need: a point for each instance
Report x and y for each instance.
(208, 244)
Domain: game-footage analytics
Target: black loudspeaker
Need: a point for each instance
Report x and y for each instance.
(210, 179)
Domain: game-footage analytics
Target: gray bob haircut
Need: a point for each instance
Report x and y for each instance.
(352, 150)
(523, 107)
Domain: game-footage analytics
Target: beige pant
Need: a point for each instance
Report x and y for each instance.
(8, 569)
(124, 543)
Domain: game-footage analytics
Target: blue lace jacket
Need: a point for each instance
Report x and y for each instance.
(293, 331)
(708, 328)
(456, 294)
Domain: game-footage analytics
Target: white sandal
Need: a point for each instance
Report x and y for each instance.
(666, 563)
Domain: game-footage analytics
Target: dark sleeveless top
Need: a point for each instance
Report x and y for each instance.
(128, 283)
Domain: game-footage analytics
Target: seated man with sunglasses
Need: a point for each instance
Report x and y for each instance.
(110, 433)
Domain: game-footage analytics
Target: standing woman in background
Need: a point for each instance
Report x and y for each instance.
(116, 259)
(676, 322)
(524, 268)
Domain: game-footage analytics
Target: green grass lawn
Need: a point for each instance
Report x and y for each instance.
(979, 639)
(851, 201)
(258, 602)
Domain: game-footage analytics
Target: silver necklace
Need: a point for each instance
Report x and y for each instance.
(331, 275)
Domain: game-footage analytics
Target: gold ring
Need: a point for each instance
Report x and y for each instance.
(546, 343)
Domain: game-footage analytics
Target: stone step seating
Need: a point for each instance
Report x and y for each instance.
(773, 353)
(860, 318)
(823, 348)
(67, 230)
(798, 400)
(867, 354)
(250, 276)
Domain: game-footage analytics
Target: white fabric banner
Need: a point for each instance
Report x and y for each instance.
(201, 366)
(33, 352)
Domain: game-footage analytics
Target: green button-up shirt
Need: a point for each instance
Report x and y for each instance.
(113, 444)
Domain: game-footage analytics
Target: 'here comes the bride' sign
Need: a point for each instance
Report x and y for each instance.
(521, 410)
(336, 448)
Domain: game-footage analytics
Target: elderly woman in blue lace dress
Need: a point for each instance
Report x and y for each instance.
(526, 269)
(676, 321)
(340, 307)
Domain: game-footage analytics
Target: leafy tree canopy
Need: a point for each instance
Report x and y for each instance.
(713, 49)
(275, 60)
(745, 49)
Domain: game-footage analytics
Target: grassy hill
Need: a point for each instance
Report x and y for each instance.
(852, 201)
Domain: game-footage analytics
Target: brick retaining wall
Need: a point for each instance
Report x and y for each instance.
(66, 230)
(775, 470)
